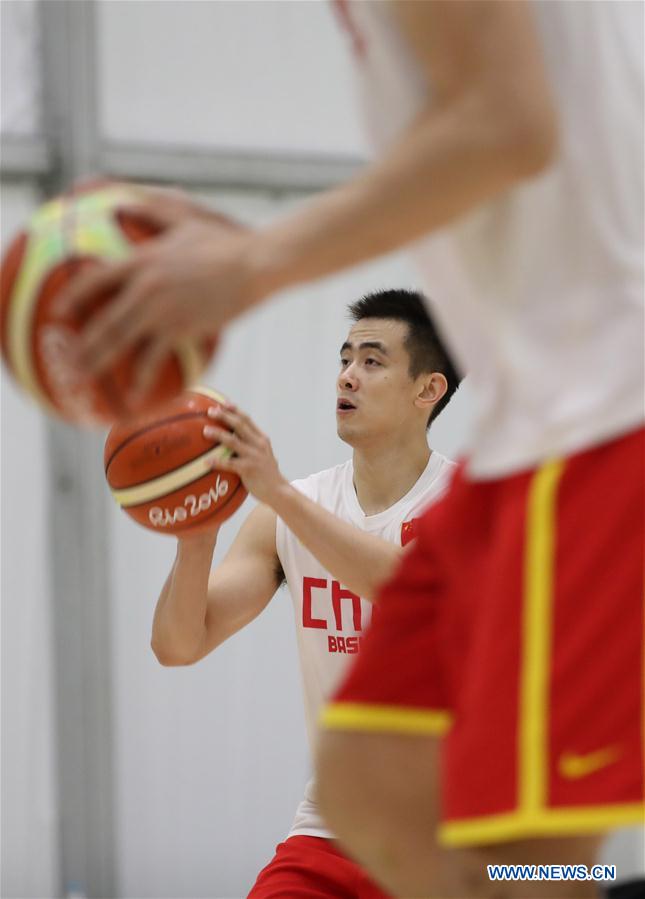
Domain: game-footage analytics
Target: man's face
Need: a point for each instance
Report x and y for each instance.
(374, 391)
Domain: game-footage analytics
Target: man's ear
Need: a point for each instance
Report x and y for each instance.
(432, 387)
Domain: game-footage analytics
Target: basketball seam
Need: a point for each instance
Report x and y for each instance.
(21, 241)
(104, 380)
(184, 416)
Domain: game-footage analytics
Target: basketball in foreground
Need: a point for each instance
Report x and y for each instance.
(64, 236)
(159, 468)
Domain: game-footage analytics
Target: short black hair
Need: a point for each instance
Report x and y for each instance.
(425, 348)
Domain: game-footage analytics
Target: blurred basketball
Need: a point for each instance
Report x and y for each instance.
(64, 236)
(159, 468)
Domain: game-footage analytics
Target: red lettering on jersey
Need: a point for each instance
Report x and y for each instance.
(349, 645)
(409, 531)
(338, 644)
(358, 41)
(352, 644)
(308, 583)
(339, 593)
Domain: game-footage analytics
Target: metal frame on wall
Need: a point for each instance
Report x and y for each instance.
(78, 510)
(24, 157)
(71, 147)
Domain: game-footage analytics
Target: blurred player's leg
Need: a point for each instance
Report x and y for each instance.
(528, 660)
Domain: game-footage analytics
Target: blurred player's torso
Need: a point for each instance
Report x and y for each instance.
(540, 293)
(330, 620)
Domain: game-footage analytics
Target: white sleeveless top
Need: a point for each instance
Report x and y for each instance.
(540, 292)
(330, 620)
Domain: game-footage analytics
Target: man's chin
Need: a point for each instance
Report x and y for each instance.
(347, 433)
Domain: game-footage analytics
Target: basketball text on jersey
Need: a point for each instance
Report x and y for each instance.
(339, 607)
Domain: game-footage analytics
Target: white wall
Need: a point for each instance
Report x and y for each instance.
(19, 84)
(29, 824)
(259, 75)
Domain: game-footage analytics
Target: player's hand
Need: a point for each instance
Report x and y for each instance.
(188, 282)
(168, 207)
(253, 461)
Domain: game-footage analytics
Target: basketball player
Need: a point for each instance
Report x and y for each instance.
(334, 536)
(511, 135)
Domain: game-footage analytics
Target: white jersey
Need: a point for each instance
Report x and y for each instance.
(331, 620)
(540, 292)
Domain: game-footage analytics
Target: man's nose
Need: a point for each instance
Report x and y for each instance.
(347, 378)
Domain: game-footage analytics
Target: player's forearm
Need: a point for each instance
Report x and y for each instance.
(360, 561)
(179, 625)
(447, 163)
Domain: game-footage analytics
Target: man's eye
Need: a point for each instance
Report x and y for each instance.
(372, 362)
(343, 363)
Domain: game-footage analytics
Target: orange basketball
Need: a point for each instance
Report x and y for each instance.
(64, 236)
(159, 468)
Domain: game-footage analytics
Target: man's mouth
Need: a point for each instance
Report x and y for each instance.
(345, 406)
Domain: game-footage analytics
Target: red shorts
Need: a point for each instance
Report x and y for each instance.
(515, 627)
(313, 868)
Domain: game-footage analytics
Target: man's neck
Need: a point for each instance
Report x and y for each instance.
(382, 477)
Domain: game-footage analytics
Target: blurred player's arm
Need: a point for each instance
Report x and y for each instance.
(358, 560)
(199, 608)
(488, 124)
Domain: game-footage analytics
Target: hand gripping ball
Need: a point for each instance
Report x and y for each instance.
(64, 236)
(159, 468)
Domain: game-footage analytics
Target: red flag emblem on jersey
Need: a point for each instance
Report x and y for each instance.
(409, 530)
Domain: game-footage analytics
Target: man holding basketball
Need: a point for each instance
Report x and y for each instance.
(511, 134)
(333, 536)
